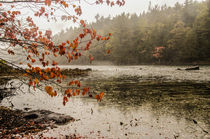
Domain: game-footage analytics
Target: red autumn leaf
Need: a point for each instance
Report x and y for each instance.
(52, 75)
(100, 96)
(33, 60)
(74, 94)
(104, 38)
(30, 83)
(47, 70)
(71, 83)
(36, 81)
(11, 52)
(108, 51)
(81, 36)
(91, 58)
(79, 84)
(82, 22)
(45, 77)
(48, 2)
(29, 65)
(59, 81)
(54, 63)
(76, 81)
(64, 103)
(65, 99)
(49, 90)
(78, 91)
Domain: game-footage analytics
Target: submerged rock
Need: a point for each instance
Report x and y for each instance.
(45, 115)
(193, 68)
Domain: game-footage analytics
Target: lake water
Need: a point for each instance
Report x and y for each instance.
(139, 102)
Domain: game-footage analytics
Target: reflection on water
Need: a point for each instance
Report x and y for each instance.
(140, 102)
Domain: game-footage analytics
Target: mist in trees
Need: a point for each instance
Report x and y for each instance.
(162, 35)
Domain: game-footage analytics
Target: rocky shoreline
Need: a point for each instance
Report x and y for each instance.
(19, 123)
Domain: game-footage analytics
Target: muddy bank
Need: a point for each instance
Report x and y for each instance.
(17, 122)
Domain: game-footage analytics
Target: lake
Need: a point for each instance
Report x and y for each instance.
(139, 102)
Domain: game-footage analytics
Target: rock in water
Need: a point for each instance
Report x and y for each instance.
(193, 68)
(44, 115)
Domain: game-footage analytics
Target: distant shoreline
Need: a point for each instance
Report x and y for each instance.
(141, 64)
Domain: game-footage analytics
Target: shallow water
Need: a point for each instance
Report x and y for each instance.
(140, 102)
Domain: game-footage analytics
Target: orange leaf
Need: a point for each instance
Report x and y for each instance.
(28, 71)
(33, 60)
(100, 96)
(55, 55)
(64, 77)
(49, 90)
(47, 70)
(11, 52)
(69, 90)
(30, 83)
(78, 91)
(55, 93)
(45, 77)
(29, 65)
(91, 58)
(104, 38)
(78, 84)
(65, 99)
(82, 22)
(71, 83)
(48, 2)
(59, 81)
(108, 51)
(52, 75)
(54, 63)
(64, 103)
(36, 81)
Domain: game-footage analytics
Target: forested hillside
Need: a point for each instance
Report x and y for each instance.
(162, 35)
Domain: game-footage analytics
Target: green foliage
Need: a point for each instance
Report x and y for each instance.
(183, 31)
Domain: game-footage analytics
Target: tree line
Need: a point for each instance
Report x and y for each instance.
(162, 35)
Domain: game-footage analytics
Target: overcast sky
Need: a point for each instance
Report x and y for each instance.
(89, 11)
